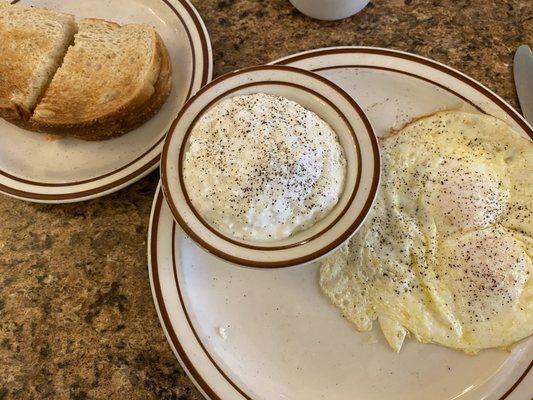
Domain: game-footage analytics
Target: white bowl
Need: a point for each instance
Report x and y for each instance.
(335, 107)
(329, 10)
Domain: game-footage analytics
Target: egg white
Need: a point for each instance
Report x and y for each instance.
(445, 254)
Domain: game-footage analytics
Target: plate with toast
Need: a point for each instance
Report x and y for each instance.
(89, 89)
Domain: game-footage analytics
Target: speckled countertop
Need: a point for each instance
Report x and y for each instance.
(77, 319)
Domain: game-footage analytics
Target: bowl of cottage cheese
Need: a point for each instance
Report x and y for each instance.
(270, 166)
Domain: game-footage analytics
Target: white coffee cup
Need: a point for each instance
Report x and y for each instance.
(329, 9)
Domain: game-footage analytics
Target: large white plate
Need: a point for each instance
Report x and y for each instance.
(284, 340)
(34, 168)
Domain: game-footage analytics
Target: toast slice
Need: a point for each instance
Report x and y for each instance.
(138, 115)
(145, 111)
(32, 44)
(107, 77)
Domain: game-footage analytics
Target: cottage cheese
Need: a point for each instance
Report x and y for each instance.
(261, 167)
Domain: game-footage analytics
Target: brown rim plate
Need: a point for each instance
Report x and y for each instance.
(33, 167)
(281, 337)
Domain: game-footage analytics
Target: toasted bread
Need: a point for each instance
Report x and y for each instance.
(107, 77)
(154, 103)
(33, 42)
(138, 115)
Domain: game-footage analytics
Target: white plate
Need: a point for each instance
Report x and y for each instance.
(284, 340)
(67, 170)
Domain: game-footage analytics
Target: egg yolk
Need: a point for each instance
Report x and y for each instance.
(464, 198)
(487, 270)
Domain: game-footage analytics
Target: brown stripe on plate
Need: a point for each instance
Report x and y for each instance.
(421, 60)
(515, 385)
(73, 183)
(182, 302)
(165, 314)
(161, 305)
(404, 73)
(70, 196)
(84, 193)
(202, 31)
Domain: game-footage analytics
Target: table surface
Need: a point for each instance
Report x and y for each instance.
(77, 319)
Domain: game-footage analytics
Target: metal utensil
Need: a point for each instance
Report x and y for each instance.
(523, 78)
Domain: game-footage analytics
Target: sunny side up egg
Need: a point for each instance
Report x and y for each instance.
(445, 253)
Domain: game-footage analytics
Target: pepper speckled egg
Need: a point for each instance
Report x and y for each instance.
(445, 255)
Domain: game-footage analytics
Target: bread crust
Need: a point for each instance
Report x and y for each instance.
(12, 111)
(154, 104)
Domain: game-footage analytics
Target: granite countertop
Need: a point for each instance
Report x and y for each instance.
(77, 319)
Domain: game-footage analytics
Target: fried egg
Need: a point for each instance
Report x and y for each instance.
(445, 253)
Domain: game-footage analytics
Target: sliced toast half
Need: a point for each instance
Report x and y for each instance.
(110, 81)
(140, 114)
(32, 44)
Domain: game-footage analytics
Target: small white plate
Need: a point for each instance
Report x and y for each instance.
(34, 168)
(281, 338)
(316, 94)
